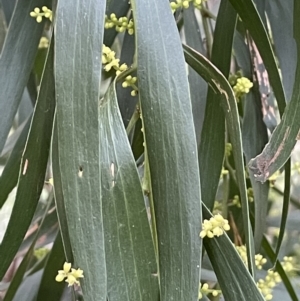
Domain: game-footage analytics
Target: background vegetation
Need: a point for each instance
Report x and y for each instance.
(149, 145)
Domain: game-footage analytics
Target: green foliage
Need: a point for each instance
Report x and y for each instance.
(135, 137)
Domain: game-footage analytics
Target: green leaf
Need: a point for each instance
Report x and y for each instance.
(18, 277)
(127, 103)
(284, 43)
(255, 137)
(171, 147)
(50, 289)
(59, 197)
(10, 174)
(22, 268)
(77, 78)
(16, 61)
(212, 144)
(198, 86)
(29, 287)
(8, 9)
(284, 137)
(235, 281)
(221, 86)
(47, 228)
(33, 168)
(129, 249)
(250, 17)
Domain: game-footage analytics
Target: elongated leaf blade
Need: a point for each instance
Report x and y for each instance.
(198, 86)
(78, 52)
(212, 144)
(10, 174)
(131, 262)
(171, 147)
(235, 281)
(250, 17)
(16, 61)
(284, 44)
(284, 137)
(33, 168)
(227, 99)
(59, 196)
(254, 138)
(50, 289)
(18, 277)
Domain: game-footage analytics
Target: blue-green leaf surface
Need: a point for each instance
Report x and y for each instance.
(250, 17)
(212, 144)
(78, 53)
(33, 168)
(198, 86)
(49, 288)
(131, 263)
(284, 43)
(255, 136)
(284, 137)
(235, 281)
(221, 86)
(16, 61)
(171, 148)
(10, 174)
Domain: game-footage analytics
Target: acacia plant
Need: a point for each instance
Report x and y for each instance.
(140, 143)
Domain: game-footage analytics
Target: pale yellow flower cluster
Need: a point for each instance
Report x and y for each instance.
(44, 43)
(110, 61)
(242, 86)
(121, 24)
(214, 227)
(40, 253)
(71, 277)
(38, 14)
(259, 259)
(266, 285)
(296, 167)
(288, 264)
(205, 290)
(185, 4)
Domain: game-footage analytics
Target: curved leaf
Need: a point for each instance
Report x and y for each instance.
(235, 281)
(284, 137)
(250, 17)
(284, 44)
(221, 86)
(198, 86)
(10, 174)
(49, 288)
(129, 249)
(16, 61)
(33, 168)
(212, 144)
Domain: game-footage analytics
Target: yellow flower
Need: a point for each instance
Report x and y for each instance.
(214, 227)
(77, 273)
(44, 43)
(205, 290)
(38, 15)
(242, 86)
(71, 277)
(62, 274)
